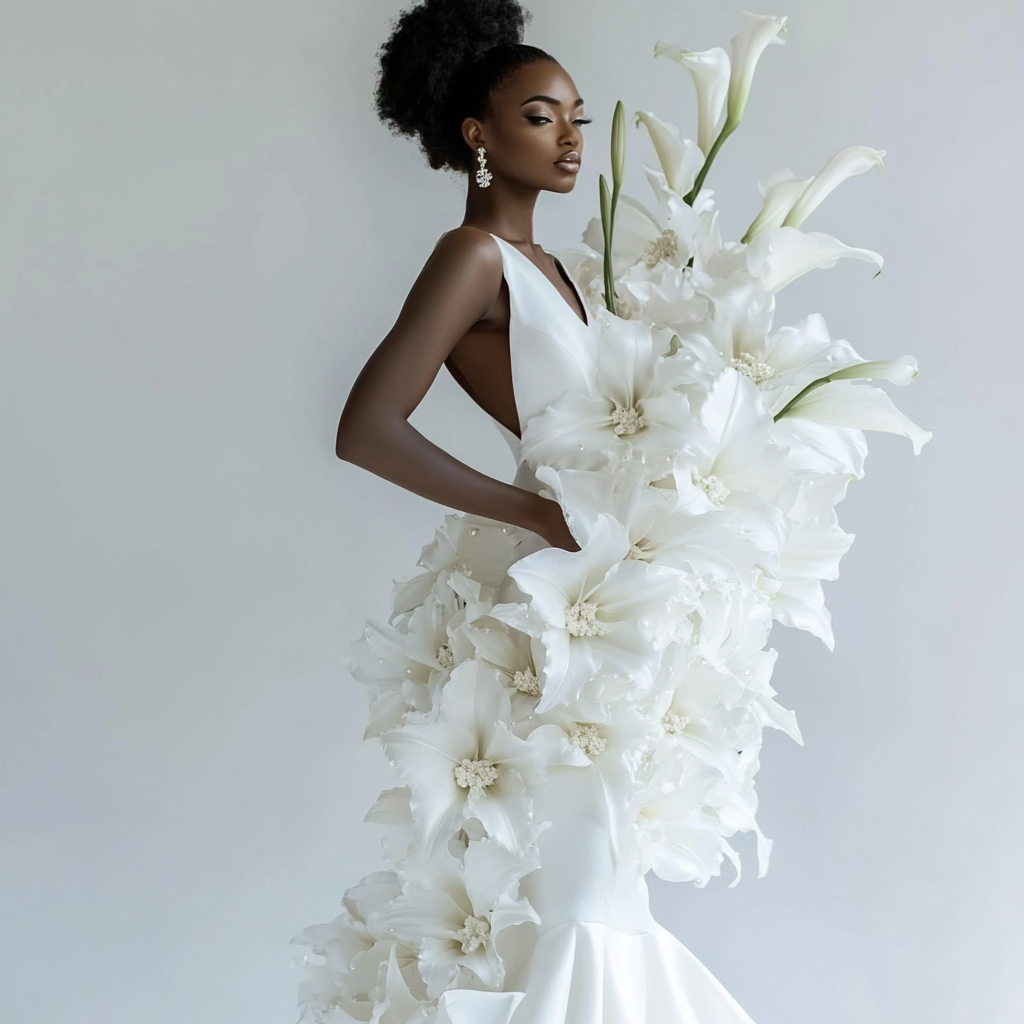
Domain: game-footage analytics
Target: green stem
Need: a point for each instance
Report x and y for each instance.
(726, 131)
(606, 228)
(806, 391)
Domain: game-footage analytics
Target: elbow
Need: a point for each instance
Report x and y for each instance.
(356, 441)
(361, 439)
(345, 445)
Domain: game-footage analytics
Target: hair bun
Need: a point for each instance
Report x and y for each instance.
(429, 45)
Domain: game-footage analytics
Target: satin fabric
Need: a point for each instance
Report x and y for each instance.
(598, 956)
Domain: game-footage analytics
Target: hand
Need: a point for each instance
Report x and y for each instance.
(553, 527)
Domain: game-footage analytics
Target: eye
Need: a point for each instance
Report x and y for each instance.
(542, 118)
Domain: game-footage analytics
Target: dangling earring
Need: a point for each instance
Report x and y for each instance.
(483, 176)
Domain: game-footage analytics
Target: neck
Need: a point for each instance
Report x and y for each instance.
(504, 209)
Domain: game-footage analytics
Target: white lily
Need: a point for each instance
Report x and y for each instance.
(515, 658)
(606, 735)
(677, 839)
(641, 239)
(468, 763)
(710, 70)
(729, 458)
(811, 554)
(733, 332)
(397, 683)
(681, 159)
(703, 714)
(633, 410)
(779, 191)
(747, 48)
(399, 1005)
(845, 164)
(784, 364)
(431, 631)
(734, 807)
(788, 200)
(780, 255)
(454, 913)
(843, 403)
(594, 609)
(354, 947)
(481, 548)
(656, 534)
(733, 620)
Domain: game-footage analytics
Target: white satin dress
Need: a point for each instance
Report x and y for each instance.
(598, 956)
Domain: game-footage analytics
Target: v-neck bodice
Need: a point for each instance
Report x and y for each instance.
(550, 348)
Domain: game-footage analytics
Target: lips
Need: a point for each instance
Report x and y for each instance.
(570, 162)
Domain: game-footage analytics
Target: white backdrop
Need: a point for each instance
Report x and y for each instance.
(204, 233)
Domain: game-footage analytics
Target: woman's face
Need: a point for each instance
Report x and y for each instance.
(533, 133)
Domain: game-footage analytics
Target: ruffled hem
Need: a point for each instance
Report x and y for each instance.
(584, 973)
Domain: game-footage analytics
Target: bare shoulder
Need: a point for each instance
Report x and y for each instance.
(468, 246)
(463, 272)
(459, 284)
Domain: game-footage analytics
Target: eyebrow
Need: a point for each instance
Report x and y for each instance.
(550, 99)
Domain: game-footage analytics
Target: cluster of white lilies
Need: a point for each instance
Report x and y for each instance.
(699, 473)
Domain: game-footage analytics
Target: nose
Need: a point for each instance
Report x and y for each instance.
(572, 137)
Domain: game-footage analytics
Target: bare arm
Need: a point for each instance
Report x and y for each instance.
(457, 287)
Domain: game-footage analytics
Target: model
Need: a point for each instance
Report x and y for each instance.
(573, 690)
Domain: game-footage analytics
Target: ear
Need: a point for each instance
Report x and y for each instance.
(473, 133)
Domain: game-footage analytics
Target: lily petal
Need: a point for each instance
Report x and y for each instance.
(860, 406)
(778, 257)
(845, 164)
(710, 70)
(680, 158)
(897, 371)
(747, 48)
(780, 191)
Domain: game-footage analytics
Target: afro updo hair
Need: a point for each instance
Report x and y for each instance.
(439, 66)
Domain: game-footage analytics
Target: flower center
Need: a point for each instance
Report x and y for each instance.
(589, 740)
(664, 247)
(626, 421)
(475, 774)
(581, 619)
(674, 724)
(712, 487)
(636, 552)
(444, 656)
(473, 934)
(526, 682)
(752, 367)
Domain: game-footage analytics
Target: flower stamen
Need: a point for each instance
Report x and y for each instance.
(444, 656)
(473, 934)
(674, 724)
(664, 247)
(526, 682)
(588, 739)
(714, 488)
(752, 367)
(626, 420)
(475, 774)
(581, 619)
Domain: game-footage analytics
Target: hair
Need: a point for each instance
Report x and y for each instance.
(440, 65)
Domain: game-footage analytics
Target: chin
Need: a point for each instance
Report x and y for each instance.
(562, 185)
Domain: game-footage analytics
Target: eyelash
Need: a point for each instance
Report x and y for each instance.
(537, 118)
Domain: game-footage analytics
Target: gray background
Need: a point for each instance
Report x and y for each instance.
(204, 233)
